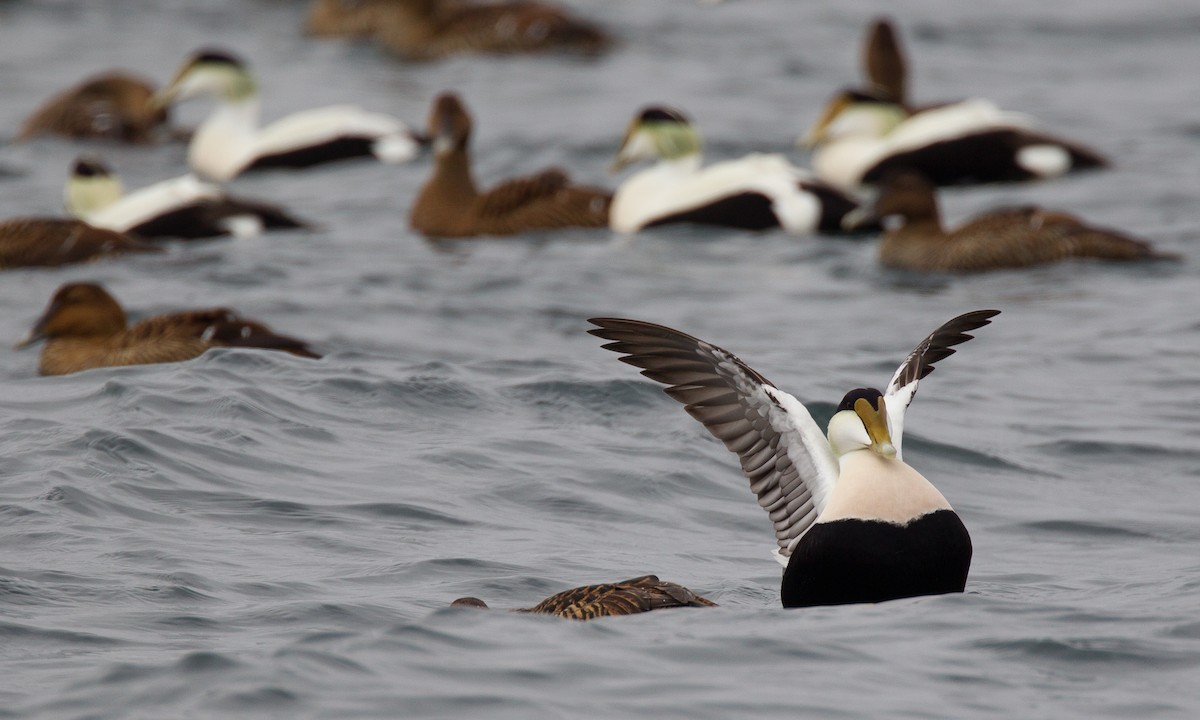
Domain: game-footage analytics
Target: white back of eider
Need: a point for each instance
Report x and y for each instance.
(152, 201)
(321, 125)
(873, 487)
(671, 187)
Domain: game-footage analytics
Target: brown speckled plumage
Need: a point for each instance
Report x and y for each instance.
(429, 29)
(84, 327)
(112, 106)
(50, 242)
(449, 205)
(628, 597)
(1006, 238)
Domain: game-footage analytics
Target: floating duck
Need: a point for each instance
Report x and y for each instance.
(865, 134)
(430, 29)
(628, 597)
(1004, 238)
(111, 106)
(183, 207)
(449, 205)
(853, 522)
(756, 192)
(84, 327)
(230, 142)
(51, 242)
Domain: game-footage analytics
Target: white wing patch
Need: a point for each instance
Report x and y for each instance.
(154, 201)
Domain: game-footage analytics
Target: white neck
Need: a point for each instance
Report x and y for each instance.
(873, 487)
(224, 143)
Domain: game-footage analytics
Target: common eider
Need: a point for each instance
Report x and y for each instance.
(182, 208)
(84, 327)
(853, 522)
(230, 141)
(51, 242)
(1012, 237)
(111, 106)
(430, 29)
(449, 204)
(865, 134)
(627, 597)
(756, 192)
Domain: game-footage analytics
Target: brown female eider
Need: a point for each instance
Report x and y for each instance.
(84, 327)
(853, 522)
(112, 106)
(430, 29)
(182, 208)
(50, 242)
(1006, 238)
(450, 205)
(628, 597)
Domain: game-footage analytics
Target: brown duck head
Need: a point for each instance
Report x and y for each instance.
(908, 195)
(883, 61)
(449, 126)
(77, 310)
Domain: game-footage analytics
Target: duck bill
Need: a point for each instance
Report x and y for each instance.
(163, 99)
(816, 134)
(875, 421)
(38, 331)
(625, 156)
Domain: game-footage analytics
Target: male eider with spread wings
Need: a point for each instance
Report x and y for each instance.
(756, 192)
(864, 134)
(230, 141)
(450, 205)
(627, 597)
(183, 208)
(853, 522)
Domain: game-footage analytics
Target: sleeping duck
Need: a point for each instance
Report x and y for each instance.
(84, 327)
(450, 205)
(51, 242)
(111, 106)
(430, 29)
(755, 192)
(627, 597)
(182, 208)
(231, 142)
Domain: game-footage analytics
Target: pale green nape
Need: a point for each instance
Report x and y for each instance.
(888, 115)
(86, 195)
(673, 140)
(236, 83)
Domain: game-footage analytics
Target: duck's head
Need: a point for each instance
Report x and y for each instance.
(211, 72)
(855, 113)
(860, 423)
(449, 127)
(908, 195)
(90, 187)
(884, 63)
(77, 310)
(657, 132)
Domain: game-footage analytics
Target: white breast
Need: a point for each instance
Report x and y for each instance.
(873, 487)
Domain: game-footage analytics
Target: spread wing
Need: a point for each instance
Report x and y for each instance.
(919, 363)
(783, 453)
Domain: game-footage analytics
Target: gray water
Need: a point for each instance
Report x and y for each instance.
(256, 535)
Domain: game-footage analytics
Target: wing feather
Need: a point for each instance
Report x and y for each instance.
(783, 453)
(938, 346)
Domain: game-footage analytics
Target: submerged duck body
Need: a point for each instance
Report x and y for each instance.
(111, 106)
(853, 522)
(627, 597)
(450, 205)
(51, 242)
(431, 29)
(230, 141)
(756, 192)
(181, 208)
(1006, 238)
(85, 327)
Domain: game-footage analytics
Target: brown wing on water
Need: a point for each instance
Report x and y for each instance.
(50, 242)
(628, 597)
(220, 327)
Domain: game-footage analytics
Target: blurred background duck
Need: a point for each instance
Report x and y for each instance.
(230, 141)
(756, 192)
(866, 133)
(450, 205)
(111, 106)
(182, 208)
(51, 242)
(430, 29)
(627, 597)
(85, 327)
(1004, 238)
